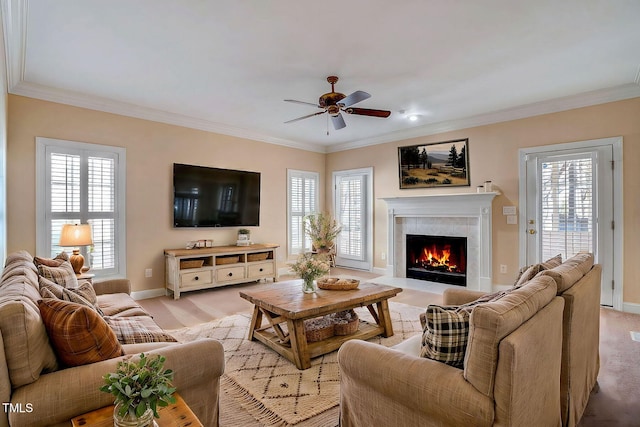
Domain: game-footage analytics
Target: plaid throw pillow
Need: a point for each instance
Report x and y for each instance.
(78, 334)
(83, 294)
(138, 329)
(445, 334)
(58, 270)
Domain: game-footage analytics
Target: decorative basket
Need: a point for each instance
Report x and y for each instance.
(319, 329)
(222, 260)
(191, 263)
(261, 256)
(345, 322)
(335, 284)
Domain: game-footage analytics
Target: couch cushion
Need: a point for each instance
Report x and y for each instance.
(489, 323)
(529, 272)
(138, 329)
(120, 305)
(27, 349)
(570, 271)
(20, 264)
(83, 294)
(79, 335)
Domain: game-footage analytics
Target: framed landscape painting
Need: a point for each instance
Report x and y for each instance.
(439, 164)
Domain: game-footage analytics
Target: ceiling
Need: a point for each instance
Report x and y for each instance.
(227, 66)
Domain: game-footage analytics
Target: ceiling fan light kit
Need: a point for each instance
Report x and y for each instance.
(334, 103)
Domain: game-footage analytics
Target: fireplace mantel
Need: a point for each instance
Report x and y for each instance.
(475, 207)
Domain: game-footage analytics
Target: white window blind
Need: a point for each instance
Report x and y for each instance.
(82, 183)
(567, 206)
(302, 200)
(350, 216)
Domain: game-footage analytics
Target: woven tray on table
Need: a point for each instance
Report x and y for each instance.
(335, 284)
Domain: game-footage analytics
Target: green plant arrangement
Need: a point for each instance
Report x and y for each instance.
(310, 267)
(140, 387)
(322, 229)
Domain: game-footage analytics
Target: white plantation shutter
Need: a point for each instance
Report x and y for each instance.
(350, 216)
(302, 197)
(567, 205)
(82, 183)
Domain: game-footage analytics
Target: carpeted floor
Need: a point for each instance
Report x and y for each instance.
(616, 403)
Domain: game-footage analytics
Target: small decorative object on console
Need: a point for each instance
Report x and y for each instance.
(244, 237)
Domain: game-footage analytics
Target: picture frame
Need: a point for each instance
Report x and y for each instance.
(437, 164)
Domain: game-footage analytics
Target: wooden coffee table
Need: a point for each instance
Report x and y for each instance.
(285, 303)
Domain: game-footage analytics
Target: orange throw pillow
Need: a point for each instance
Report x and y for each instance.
(79, 335)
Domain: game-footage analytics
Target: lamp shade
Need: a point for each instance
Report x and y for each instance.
(75, 235)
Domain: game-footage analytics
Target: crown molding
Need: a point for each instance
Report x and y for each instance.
(32, 90)
(14, 22)
(617, 93)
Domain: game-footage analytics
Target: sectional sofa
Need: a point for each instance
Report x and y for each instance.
(37, 381)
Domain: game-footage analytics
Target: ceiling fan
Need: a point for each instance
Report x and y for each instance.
(334, 103)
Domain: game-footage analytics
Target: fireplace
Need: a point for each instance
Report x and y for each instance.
(465, 215)
(441, 259)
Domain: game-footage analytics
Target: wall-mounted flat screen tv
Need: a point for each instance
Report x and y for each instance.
(212, 197)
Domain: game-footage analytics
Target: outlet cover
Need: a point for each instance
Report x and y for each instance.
(148, 272)
(635, 335)
(512, 219)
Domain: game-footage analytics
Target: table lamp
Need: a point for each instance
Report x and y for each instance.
(76, 235)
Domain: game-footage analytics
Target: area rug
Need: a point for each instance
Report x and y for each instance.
(270, 387)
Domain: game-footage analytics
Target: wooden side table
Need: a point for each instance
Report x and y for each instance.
(177, 415)
(86, 276)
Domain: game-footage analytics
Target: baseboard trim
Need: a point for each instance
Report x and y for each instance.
(630, 307)
(379, 270)
(149, 293)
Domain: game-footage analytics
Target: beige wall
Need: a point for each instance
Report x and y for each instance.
(493, 154)
(152, 148)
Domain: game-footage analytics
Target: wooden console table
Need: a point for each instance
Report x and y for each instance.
(177, 415)
(204, 268)
(285, 303)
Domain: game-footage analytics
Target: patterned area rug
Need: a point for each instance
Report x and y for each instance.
(270, 387)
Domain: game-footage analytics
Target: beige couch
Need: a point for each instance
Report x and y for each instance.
(579, 284)
(511, 374)
(40, 393)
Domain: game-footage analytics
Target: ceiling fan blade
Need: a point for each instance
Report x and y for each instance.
(338, 122)
(354, 98)
(368, 112)
(305, 117)
(303, 103)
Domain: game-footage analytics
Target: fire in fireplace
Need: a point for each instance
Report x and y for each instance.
(440, 259)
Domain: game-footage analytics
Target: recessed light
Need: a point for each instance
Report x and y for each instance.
(413, 117)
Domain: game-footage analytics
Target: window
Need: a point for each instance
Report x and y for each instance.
(82, 183)
(302, 199)
(567, 205)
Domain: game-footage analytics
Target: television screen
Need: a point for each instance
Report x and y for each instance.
(212, 197)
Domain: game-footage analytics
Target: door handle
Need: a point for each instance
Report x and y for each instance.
(532, 231)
